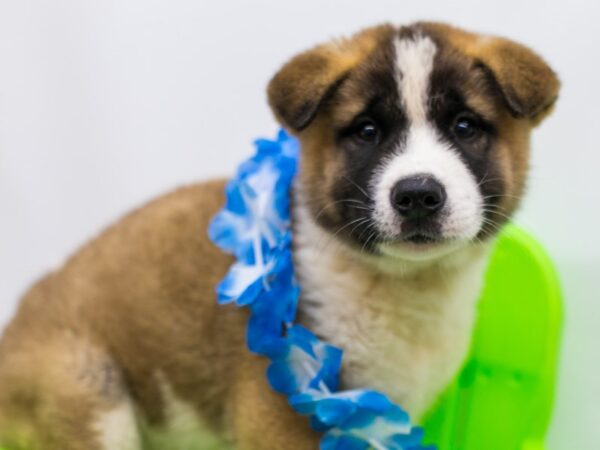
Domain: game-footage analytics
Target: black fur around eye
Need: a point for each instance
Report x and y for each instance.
(368, 131)
(465, 127)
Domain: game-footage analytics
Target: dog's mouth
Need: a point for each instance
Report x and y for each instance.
(418, 245)
(422, 239)
(420, 233)
(418, 241)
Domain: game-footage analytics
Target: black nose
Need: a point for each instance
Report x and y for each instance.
(418, 197)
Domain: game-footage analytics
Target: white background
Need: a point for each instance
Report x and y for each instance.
(105, 104)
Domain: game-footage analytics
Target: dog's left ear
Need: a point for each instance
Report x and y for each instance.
(529, 87)
(301, 86)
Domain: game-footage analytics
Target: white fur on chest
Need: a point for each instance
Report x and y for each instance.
(405, 332)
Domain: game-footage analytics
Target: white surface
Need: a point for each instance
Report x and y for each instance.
(105, 104)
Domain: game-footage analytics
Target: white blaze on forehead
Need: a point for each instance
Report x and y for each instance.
(414, 60)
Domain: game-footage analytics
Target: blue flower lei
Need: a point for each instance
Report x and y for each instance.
(255, 226)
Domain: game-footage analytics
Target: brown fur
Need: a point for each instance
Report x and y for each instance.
(135, 302)
(138, 302)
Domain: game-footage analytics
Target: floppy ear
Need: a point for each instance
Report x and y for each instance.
(527, 84)
(303, 84)
(298, 89)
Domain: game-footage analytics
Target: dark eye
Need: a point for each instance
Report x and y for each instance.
(465, 127)
(368, 132)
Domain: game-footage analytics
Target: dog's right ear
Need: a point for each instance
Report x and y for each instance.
(302, 85)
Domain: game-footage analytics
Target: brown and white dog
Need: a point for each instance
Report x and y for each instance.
(415, 145)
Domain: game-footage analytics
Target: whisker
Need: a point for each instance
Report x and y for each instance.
(359, 188)
(489, 180)
(371, 236)
(493, 225)
(498, 213)
(345, 200)
(331, 237)
(483, 179)
(347, 225)
(499, 196)
(365, 220)
(369, 227)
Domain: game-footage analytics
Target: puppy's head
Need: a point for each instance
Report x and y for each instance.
(415, 140)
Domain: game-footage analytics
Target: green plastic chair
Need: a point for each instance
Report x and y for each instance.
(502, 399)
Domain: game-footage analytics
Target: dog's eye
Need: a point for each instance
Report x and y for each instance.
(368, 131)
(465, 127)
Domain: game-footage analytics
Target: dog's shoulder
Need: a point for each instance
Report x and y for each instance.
(156, 252)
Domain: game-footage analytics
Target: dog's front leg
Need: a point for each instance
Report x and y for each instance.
(261, 418)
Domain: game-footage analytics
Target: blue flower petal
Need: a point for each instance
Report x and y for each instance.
(332, 411)
(282, 378)
(360, 419)
(332, 441)
(317, 425)
(406, 441)
(374, 401)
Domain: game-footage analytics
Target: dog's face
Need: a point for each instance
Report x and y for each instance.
(414, 139)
